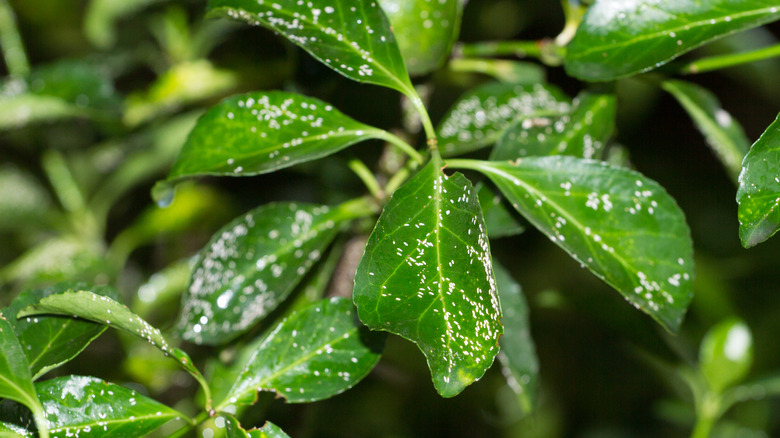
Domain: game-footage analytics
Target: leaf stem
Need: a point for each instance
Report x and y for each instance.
(11, 42)
(546, 50)
(62, 181)
(425, 118)
(203, 416)
(573, 11)
(707, 415)
(367, 177)
(402, 145)
(40, 417)
(463, 163)
(730, 60)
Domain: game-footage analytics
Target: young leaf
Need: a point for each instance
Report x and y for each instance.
(311, 355)
(758, 195)
(499, 221)
(582, 133)
(726, 353)
(425, 30)
(256, 133)
(252, 264)
(15, 380)
(50, 341)
(107, 311)
(518, 354)
(722, 132)
(623, 226)
(269, 430)
(89, 407)
(426, 275)
(619, 38)
(482, 115)
(352, 37)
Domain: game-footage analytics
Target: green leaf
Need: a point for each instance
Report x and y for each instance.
(8, 430)
(758, 195)
(499, 221)
(426, 275)
(724, 135)
(23, 199)
(481, 116)
(623, 226)
(582, 133)
(15, 380)
(726, 354)
(233, 429)
(18, 111)
(102, 15)
(262, 132)
(50, 341)
(504, 70)
(352, 37)
(107, 311)
(59, 258)
(269, 430)
(252, 264)
(619, 38)
(311, 355)
(425, 31)
(518, 354)
(89, 407)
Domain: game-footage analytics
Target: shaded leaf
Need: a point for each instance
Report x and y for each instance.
(726, 354)
(724, 135)
(481, 116)
(518, 354)
(313, 354)
(424, 30)
(352, 37)
(426, 275)
(102, 15)
(253, 263)
(89, 407)
(581, 133)
(499, 221)
(50, 341)
(619, 38)
(623, 226)
(23, 199)
(758, 195)
(15, 380)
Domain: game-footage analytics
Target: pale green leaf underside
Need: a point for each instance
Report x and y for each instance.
(88, 407)
(352, 37)
(313, 354)
(482, 115)
(724, 135)
(426, 275)
(623, 226)
(623, 37)
(758, 195)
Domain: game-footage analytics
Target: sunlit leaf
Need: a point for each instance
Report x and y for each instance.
(352, 37)
(500, 221)
(758, 195)
(726, 354)
(619, 38)
(621, 225)
(481, 116)
(252, 264)
(723, 133)
(313, 354)
(50, 341)
(89, 407)
(426, 275)
(518, 354)
(582, 133)
(425, 30)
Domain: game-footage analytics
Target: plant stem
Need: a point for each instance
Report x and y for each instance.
(203, 416)
(40, 419)
(402, 145)
(520, 49)
(574, 12)
(367, 177)
(11, 42)
(62, 181)
(729, 60)
(430, 132)
(501, 69)
(399, 177)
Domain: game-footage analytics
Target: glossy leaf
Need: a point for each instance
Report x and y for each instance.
(499, 220)
(424, 30)
(233, 429)
(352, 37)
(426, 275)
(313, 354)
(259, 132)
(89, 407)
(619, 38)
(15, 380)
(623, 226)
(726, 354)
(107, 311)
(8, 430)
(723, 133)
(269, 430)
(758, 195)
(50, 341)
(252, 264)
(481, 116)
(518, 354)
(582, 133)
